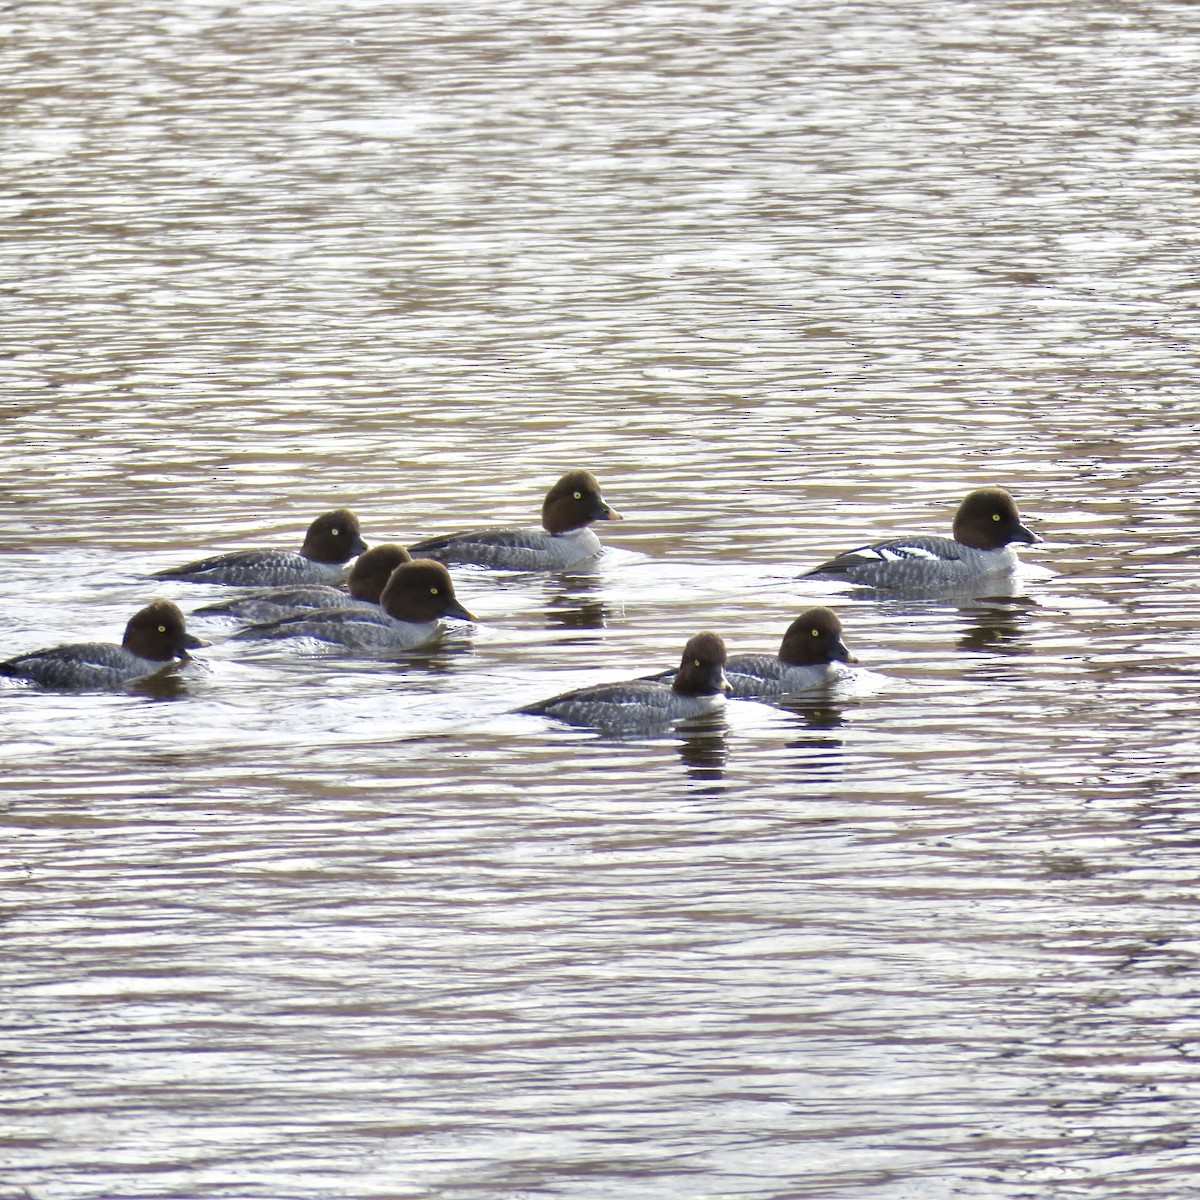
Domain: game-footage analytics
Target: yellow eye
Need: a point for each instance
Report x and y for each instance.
(695, 662)
(578, 495)
(335, 532)
(162, 629)
(995, 516)
(433, 591)
(815, 632)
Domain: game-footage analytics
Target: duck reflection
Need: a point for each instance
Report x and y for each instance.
(443, 657)
(570, 606)
(704, 751)
(996, 627)
(817, 753)
(591, 614)
(166, 685)
(816, 713)
(819, 757)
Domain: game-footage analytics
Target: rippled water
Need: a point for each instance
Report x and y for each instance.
(787, 278)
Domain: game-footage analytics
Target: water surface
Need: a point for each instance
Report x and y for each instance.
(787, 278)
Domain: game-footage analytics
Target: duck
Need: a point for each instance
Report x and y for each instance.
(418, 596)
(698, 689)
(571, 506)
(812, 654)
(155, 638)
(332, 540)
(364, 585)
(986, 525)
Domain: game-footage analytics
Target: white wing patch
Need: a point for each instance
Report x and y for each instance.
(893, 553)
(900, 553)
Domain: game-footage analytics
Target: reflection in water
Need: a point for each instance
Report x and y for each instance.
(442, 658)
(166, 685)
(816, 755)
(704, 751)
(995, 630)
(571, 603)
(578, 578)
(565, 612)
(816, 714)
